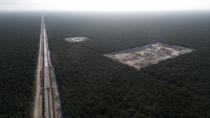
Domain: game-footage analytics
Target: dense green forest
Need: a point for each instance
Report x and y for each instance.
(93, 86)
(19, 36)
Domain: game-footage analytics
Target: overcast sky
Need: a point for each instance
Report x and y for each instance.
(105, 5)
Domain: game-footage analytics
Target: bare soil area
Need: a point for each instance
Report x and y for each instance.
(139, 57)
(77, 39)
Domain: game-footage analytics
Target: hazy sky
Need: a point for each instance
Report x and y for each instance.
(105, 5)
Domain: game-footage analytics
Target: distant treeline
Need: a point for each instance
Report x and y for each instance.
(19, 36)
(93, 86)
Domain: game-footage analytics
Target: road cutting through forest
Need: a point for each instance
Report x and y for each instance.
(47, 101)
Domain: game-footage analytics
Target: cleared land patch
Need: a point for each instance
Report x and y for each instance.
(77, 39)
(139, 57)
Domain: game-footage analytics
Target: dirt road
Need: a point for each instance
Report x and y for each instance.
(47, 101)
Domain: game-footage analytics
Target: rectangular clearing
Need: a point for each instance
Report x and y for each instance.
(139, 57)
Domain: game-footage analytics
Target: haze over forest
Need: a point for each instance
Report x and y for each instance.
(104, 5)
